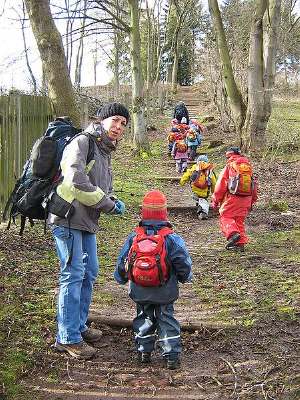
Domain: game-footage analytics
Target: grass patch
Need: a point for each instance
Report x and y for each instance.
(246, 291)
(27, 315)
(283, 134)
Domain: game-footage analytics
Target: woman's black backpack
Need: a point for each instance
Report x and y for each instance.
(41, 173)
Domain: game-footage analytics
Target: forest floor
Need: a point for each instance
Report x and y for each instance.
(246, 306)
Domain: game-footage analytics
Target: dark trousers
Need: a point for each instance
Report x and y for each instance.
(157, 323)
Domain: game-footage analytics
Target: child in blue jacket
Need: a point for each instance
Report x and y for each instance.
(155, 304)
(194, 140)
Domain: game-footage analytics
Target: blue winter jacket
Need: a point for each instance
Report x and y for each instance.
(177, 257)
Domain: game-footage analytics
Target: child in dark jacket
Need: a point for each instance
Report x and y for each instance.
(155, 304)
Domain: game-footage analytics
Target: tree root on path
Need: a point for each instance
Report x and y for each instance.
(126, 323)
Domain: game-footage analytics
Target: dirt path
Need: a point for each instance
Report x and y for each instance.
(222, 360)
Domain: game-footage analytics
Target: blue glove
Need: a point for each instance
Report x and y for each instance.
(119, 208)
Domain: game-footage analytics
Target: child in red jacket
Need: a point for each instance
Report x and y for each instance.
(234, 194)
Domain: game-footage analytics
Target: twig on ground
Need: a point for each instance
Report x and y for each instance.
(199, 386)
(69, 376)
(217, 380)
(263, 391)
(234, 373)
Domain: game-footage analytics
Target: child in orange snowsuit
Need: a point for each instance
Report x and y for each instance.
(235, 197)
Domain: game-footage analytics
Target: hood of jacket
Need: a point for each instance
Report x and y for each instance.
(238, 159)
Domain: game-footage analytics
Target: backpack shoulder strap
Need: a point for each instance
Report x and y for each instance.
(92, 142)
(139, 230)
(91, 151)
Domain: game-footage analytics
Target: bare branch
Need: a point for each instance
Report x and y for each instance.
(114, 15)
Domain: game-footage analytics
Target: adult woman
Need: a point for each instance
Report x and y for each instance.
(87, 187)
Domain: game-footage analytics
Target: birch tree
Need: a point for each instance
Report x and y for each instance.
(53, 58)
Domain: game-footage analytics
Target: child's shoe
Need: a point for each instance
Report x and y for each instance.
(202, 216)
(235, 237)
(144, 357)
(173, 362)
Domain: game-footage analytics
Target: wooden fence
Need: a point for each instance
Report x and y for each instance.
(23, 119)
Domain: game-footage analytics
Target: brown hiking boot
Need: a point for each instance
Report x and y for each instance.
(79, 350)
(91, 335)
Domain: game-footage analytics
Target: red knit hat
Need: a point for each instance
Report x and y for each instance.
(155, 206)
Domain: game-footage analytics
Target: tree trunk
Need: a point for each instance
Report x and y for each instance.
(270, 49)
(139, 128)
(175, 68)
(116, 63)
(261, 74)
(79, 56)
(149, 55)
(53, 59)
(116, 53)
(32, 77)
(95, 62)
(162, 47)
(236, 103)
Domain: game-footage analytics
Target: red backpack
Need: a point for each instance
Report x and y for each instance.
(146, 260)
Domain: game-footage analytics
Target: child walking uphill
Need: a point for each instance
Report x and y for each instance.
(235, 193)
(203, 181)
(154, 259)
(180, 155)
(194, 139)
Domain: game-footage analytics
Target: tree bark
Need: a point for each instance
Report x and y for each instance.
(126, 323)
(139, 127)
(236, 102)
(51, 50)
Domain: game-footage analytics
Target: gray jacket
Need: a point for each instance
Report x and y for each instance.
(86, 187)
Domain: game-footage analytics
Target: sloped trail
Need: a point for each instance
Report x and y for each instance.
(220, 361)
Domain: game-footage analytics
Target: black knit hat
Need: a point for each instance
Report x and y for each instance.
(111, 109)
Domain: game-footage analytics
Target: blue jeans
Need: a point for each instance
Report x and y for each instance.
(79, 266)
(157, 320)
